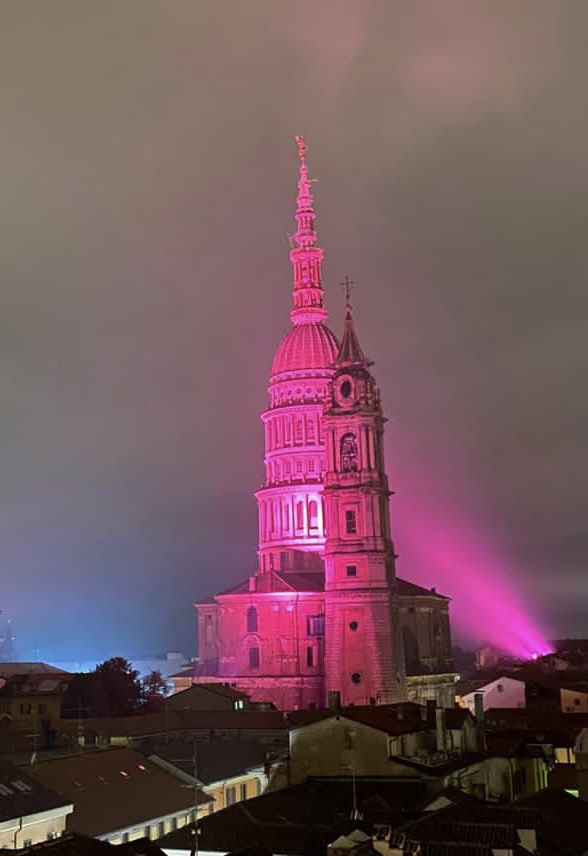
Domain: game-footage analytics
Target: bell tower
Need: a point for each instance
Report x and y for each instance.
(364, 661)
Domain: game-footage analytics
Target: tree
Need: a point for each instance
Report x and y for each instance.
(117, 689)
(154, 690)
(112, 689)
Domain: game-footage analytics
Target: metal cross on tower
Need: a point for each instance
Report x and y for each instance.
(347, 286)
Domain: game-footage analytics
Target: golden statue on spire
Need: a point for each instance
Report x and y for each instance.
(301, 143)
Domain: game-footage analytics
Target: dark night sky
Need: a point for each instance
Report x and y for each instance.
(147, 176)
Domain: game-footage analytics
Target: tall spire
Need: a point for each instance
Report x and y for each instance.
(306, 258)
(350, 351)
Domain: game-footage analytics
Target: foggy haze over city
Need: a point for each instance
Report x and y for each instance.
(148, 176)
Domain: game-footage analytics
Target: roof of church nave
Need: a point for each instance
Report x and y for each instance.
(315, 582)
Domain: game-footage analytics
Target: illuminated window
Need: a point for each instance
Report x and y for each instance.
(254, 658)
(350, 522)
(351, 570)
(252, 620)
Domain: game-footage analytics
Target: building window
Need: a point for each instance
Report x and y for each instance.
(311, 465)
(350, 522)
(356, 678)
(313, 514)
(310, 431)
(254, 658)
(287, 468)
(348, 453)
(315, 625)
(298, 435)
(299, 515)
(500, 688)
(353, 625)
(351, 570)
(310, 657)
(252, 622)
(243, 790)
(231, 795)
(298, 466)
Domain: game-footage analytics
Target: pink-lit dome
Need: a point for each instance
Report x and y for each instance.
(307, 346)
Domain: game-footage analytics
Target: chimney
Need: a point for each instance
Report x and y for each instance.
(441, 729)
(334, 700)
(479, 707)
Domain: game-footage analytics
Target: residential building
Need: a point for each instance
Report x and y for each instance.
(229, 771)
(31, 694)
(500, 692)
(119, 796)
(30, 812)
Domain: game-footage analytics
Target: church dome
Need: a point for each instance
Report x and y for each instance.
(307, 346)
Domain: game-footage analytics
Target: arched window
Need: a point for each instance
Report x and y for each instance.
(313, 514)
(252, 620)
(348, 453)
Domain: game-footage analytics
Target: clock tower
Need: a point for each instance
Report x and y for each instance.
(364, 660)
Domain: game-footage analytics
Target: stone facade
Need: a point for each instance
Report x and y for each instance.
(277, 634)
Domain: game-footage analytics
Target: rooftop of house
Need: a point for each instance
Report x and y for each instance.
(542, 725)
(153, 724)
(302, 819)
(8, 670)
(393, 719)
(21, 795)
(113, 789)
(559, 820)
(223, 690)
(84, 845)
(209, 762)
(436, 848)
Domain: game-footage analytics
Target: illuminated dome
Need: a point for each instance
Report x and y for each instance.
(307, 346)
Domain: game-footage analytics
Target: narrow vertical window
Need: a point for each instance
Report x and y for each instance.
(254, 658)
(299, 515)
(310, 657)
(313, 514)
(252, 622)
(350, 522)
